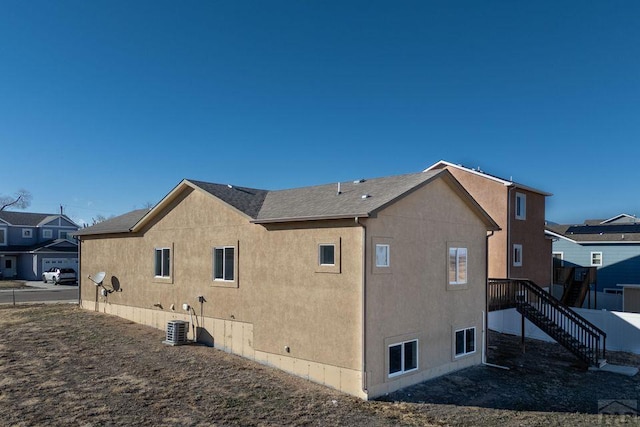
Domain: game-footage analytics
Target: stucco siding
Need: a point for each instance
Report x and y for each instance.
(413, 300)
(295, 311)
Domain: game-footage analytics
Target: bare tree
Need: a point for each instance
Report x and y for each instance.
(98, 219)
(19, 200)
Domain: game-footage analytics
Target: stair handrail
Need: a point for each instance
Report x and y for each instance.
(510, 299)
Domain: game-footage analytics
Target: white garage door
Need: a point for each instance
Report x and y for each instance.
(47, 263)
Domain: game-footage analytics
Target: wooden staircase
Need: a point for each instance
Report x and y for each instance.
(576, 281)
(582, 338)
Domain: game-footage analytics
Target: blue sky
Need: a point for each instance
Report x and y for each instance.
(106, 105)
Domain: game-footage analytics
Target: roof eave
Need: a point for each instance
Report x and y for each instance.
(504, 182)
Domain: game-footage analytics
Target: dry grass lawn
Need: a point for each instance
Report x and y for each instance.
(12, 284)
(63, 366)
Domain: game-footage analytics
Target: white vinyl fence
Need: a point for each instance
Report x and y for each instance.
(622, 329)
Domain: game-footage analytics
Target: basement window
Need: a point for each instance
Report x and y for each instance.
(465, 341)
(403, 358)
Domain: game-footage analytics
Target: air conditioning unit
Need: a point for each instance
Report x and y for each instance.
(177, 332)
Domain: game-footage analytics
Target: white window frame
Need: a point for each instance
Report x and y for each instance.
(612, 291)
(383, 252)
(403, 369)
(458, 253)
(224, 277)
(517, 255)
(47, 234)
(521, 206)
(27, 233)
(465, 350)
(5, 235)
(561, 258)
(596, 264)
(320, 253)
(163, 274)
(66, 234)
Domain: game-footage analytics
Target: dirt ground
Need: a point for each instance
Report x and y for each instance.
(60, 365)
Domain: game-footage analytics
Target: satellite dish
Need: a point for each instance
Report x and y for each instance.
(98, 278)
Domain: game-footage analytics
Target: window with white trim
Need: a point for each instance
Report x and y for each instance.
(558, 259)
(521, 206)
(27, 233)
(47, 234)
(327, 254)
(596, 259)
(224, 263)
(465, 341)
(3, 236)
(457, 266)
(382, 255)
(403, 358)
(162, 262)
(517, 255)
(63, 234)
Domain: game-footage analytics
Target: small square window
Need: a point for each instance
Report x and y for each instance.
(62, 235)
(403, 358)
(27, 233)
(517, 255)
(163, 262)
(47, 234)
(382, 255)
(596, 259)
(327, 254)
(465, 341)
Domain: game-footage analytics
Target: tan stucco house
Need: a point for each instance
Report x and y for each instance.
(364, 286)
(521, 249)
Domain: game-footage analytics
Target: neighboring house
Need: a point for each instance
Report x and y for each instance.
(611, 245)
(31, 243)
(520, 249)
(365, 286)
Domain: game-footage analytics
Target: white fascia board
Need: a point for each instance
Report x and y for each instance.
(489, 177)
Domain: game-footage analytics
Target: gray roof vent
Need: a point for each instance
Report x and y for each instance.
(365, 196)
(359, 181)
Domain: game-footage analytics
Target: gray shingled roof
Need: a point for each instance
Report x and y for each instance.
(25, 218)
(323, 201)
(247, 200)
(119, 224)
(598, 233)
(357, 198)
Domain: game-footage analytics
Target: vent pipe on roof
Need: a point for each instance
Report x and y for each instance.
(339, 192)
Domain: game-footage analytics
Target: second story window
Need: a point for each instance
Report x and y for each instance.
(3, 236)
(457, 266)
(382, 255)
(27, 233)
(47, 234)
(521, 206)
(596, 259)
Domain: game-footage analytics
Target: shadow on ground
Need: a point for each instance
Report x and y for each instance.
(545, 378)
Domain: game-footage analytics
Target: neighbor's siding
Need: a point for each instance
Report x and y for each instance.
(620, 262)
